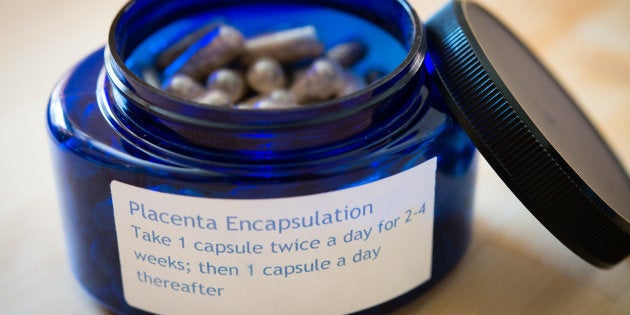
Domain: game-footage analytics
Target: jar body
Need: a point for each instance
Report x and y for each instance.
(91, 151)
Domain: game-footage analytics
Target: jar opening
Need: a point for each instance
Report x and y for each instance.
(139, 20)
(158, 122)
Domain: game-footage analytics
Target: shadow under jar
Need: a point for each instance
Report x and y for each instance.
(357, 204)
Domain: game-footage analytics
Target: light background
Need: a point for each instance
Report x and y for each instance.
(513, 265)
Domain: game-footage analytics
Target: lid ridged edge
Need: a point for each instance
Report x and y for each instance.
(531, 168)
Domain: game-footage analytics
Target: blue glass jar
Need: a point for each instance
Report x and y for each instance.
(107, 125)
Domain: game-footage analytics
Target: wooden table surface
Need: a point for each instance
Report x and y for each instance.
(513, 266)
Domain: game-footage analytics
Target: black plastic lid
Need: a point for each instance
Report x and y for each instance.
(531, 132)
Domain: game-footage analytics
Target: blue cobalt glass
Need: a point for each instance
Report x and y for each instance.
(107, 124)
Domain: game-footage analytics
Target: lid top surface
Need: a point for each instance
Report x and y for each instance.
(550, 110)
(531, 132)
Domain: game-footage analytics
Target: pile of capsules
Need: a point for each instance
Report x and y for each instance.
(217, 66)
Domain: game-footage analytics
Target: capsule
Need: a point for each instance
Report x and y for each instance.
(273, 104)
(151, 76)
(213, 51)
(215, 98)
(266, 75)
(174, 51)
(250, 102)
(287, 46)
(183, 86)
(278, 99)
(352, 83)
(347, 54)
(283, 96)
(321, 82)
(229, 81)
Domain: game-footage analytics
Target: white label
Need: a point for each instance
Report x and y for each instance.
(330, 253)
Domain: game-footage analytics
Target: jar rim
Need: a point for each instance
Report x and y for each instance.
(161, 104)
